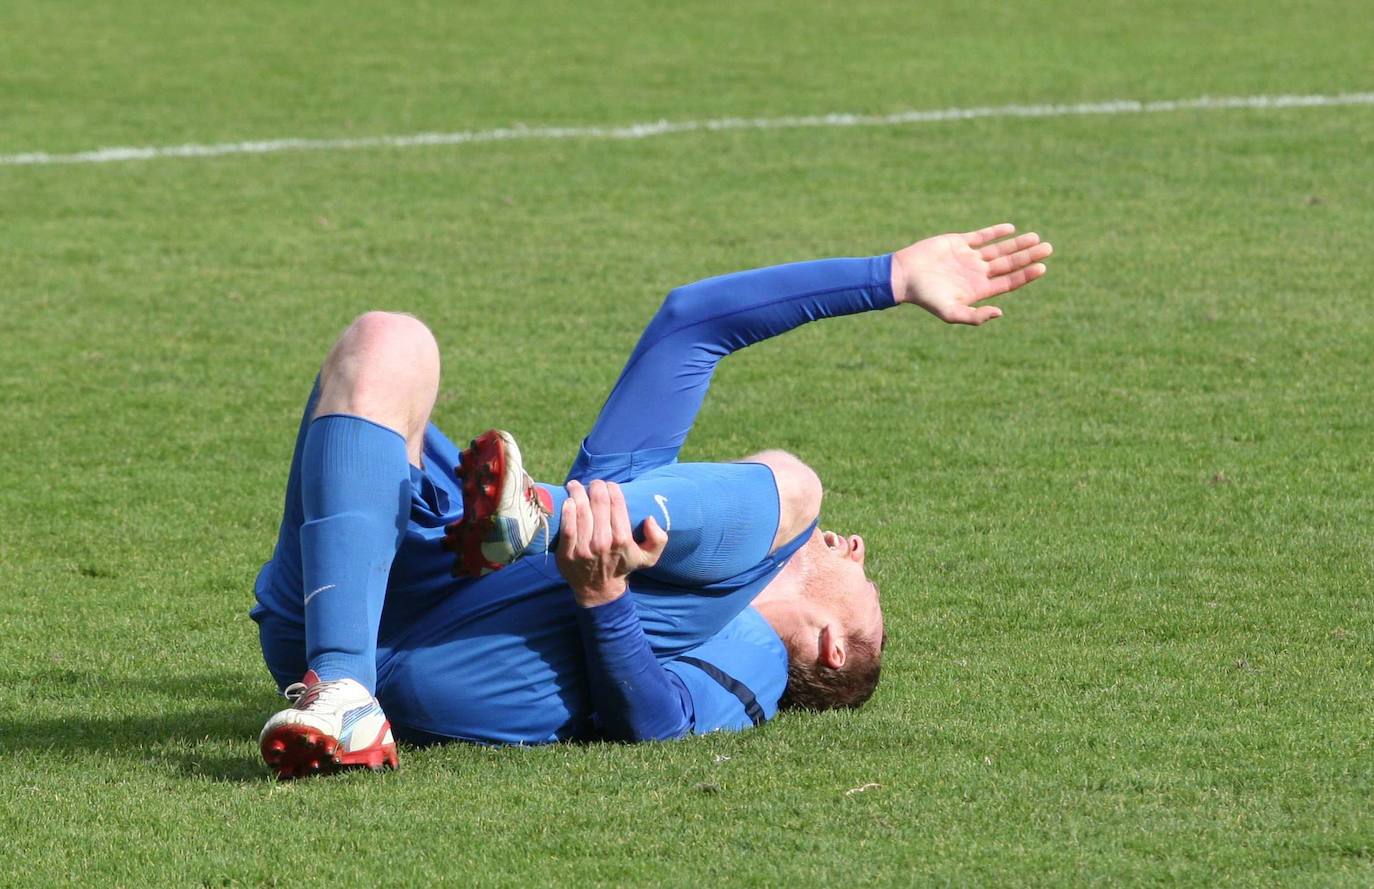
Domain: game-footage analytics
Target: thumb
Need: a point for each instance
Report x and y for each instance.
(655, 541)
(986, 313)
(961, 314)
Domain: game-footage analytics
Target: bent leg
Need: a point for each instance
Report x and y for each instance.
(799, 493)
(722, 518)
(376, 390)
(384, 368)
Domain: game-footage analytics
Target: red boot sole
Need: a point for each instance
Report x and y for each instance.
(480, 469)
(299, 751)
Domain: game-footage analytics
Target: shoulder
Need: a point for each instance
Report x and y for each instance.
(736, 677)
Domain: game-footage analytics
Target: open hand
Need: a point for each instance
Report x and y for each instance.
(947, 274)
(596, 546)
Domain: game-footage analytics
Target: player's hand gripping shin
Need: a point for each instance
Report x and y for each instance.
(597, 550)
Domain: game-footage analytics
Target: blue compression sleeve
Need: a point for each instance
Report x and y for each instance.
(635, 698)
(657, 397)
(355, 495)
(720, 517)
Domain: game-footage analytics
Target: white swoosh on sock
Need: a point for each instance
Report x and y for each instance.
(663, 505)
(328, 586)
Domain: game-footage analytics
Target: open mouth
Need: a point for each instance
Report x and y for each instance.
(835, 542)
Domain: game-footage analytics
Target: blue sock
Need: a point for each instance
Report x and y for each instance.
(355, 492)
(720, 518)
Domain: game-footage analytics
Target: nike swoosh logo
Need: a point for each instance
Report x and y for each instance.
(663, 505)
(328, 586)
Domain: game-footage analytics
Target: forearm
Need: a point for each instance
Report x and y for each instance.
(635, 698)
(732, 311)
(701, 323)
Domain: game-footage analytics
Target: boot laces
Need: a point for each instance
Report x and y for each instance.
(303, 696)
(541, 517)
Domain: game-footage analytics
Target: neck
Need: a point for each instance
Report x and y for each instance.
(790, 583)
(783, 601)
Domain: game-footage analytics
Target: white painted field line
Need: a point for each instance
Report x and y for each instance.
(664, 127)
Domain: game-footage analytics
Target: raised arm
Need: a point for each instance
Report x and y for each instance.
(656, 399)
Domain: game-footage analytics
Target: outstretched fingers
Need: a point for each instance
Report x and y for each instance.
(976, 239)
(1010, 245)
(1009, 282)
(1012, 262)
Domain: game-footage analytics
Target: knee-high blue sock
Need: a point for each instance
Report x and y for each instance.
(720, 518)
(355, 493)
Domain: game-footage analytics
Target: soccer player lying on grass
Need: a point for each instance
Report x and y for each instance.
(735, 604)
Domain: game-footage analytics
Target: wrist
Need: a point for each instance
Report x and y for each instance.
(592, 596)
(898, 278)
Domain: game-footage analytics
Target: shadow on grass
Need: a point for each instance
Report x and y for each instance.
(198, 726)
(203, 726)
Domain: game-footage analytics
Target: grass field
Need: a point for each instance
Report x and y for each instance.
(1123, 534)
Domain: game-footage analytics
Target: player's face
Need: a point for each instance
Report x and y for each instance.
(856, 596)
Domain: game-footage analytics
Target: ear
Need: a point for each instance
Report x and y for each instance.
(832, 652)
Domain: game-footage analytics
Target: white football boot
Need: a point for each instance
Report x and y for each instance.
(329, 726)
(503, 509)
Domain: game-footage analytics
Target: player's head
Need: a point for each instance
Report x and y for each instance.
(836, 664)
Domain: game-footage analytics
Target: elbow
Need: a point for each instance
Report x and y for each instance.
(645, 718)
(650, 738)
(638, 733)
(679, 307)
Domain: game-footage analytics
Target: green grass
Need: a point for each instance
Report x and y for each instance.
(1123, 534)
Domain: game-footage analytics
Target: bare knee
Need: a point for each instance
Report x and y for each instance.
(799, 492)
(385, 367)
